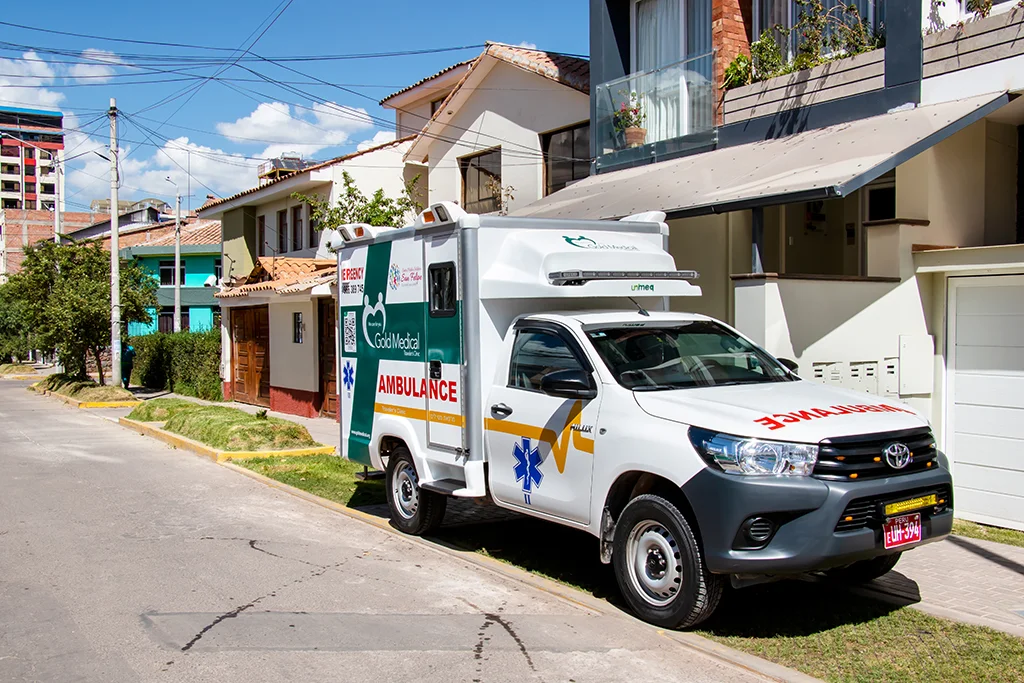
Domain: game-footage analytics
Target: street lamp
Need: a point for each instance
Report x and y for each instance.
(177, 254)
(56, 184)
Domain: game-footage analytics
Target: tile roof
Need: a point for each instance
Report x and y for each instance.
(201, 232)
(566, 69)
(323, 164)
(573, 72)
(283, 273)
(420, 82)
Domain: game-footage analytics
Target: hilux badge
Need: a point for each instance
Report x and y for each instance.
(897, 455)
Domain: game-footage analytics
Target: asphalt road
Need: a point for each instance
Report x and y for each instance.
(124, 560)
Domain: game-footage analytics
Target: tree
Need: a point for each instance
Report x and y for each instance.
(63, 295)
(14, 330)
(354, 207)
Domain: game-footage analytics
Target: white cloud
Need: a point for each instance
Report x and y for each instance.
(144, 176)
(287, 129)
(99, 67)
(379, 138)
(527, 45)
(25, 80)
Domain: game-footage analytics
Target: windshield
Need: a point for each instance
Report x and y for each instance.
(699, 353)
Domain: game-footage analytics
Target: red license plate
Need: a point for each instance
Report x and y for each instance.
(902, 530)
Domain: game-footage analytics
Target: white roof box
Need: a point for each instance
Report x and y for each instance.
(550, 264)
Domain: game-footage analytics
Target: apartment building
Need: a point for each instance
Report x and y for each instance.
(31, 150)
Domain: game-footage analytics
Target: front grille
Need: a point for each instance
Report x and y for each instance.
(863, 456)
(870, 511)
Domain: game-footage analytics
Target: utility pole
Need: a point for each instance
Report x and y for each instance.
(177, 255)
(115, 256)
(56, 201)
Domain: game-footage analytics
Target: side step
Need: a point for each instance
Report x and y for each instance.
(444, 486)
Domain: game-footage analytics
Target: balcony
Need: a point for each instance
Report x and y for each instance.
(678, 113)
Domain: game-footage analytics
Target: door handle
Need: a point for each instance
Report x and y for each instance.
(501, 409)
(435, 369)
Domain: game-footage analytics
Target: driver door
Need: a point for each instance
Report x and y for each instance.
(541, 446)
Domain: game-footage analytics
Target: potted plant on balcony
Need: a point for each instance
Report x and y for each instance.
(629, 120)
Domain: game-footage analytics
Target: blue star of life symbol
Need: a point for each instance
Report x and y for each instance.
(348, 376)
(527, 467)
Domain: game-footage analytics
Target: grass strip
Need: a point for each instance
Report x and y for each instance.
(815, 627)
(961, 527)
(231, 429)
(327, 476)
(161, 409)
(16, 369)
(84, 390)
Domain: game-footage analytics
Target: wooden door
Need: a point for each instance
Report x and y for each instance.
(250, 339)
(328, 321)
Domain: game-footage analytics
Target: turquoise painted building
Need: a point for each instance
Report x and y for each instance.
(201, 271)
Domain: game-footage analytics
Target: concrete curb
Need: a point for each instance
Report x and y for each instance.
(692, 641)
(22, 378)
(75, 403)
(150, 429)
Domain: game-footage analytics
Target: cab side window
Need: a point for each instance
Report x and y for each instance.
(536, 354)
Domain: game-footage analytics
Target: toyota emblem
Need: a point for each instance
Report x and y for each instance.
(897, 455)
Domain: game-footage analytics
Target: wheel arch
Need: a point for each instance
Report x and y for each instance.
(628, 486)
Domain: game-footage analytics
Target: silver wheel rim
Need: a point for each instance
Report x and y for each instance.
(655, 563)
(404, 491)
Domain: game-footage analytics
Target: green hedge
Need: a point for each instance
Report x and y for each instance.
(186, 363)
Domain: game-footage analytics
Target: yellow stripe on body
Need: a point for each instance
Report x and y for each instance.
(559, 442)
(419, 414)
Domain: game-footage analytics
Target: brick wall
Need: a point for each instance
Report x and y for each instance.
(139, 237)
(20, 228)
(731, 24)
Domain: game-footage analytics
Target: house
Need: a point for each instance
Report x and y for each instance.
(502, 130)
(497, 117)
(270, 246)
(200, 273)
(863, 217)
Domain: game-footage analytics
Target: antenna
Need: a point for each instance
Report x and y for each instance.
(640, 309)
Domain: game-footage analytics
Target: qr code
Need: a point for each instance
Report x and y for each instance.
(349, 329)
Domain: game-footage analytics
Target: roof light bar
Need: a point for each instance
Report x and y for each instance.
(579, 277)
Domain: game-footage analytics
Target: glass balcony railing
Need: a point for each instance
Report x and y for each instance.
(675, 101)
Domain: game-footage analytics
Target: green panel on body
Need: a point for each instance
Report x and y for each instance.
(444, 336)
(364, 393)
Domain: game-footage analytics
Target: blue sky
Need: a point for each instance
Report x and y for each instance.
(246, 118)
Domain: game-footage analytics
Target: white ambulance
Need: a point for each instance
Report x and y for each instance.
(534, 363)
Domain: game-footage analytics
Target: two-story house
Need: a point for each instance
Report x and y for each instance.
(199, 274)
(511, 118)
(863, 217)
(501, 130)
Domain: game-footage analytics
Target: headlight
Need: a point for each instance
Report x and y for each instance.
(737, 455)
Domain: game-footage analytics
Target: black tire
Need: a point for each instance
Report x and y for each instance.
(865, 570)
(672, 596)
(413, 510)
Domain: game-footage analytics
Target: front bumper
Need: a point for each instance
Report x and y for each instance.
(808, 510)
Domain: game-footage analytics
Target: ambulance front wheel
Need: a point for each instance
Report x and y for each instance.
(413, 510)
(658, 565)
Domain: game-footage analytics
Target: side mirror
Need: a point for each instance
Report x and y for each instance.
(568, 384)
(791, 365)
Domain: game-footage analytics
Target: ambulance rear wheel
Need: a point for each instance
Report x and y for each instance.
(413, 510)
(658, 565)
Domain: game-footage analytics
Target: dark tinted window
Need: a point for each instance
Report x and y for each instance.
(481, 181)
(566, 156)
(443, 290)
(537, 354)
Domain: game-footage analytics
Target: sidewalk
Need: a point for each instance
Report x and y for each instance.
(964, 579)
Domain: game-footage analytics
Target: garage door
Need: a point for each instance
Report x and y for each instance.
(985, 398)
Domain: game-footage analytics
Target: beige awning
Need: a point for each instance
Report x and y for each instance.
(817, 164)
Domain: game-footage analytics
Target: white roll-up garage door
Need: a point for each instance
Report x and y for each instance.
(984, 432)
